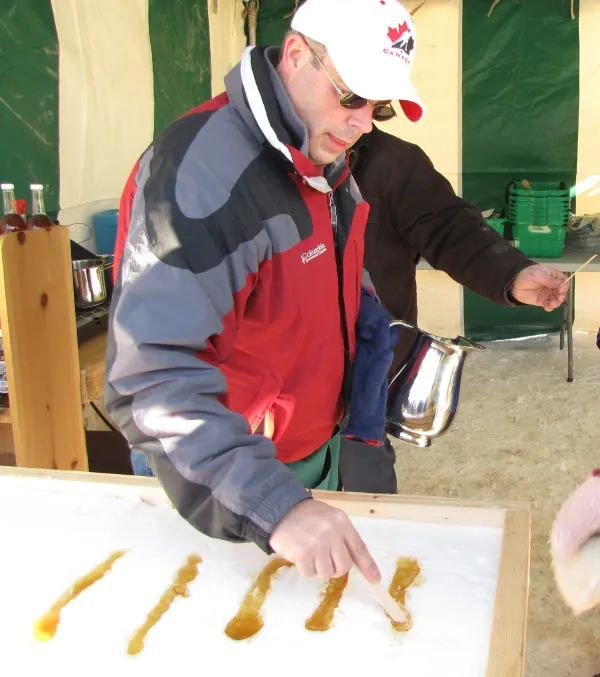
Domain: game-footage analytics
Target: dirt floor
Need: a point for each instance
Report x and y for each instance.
(523, 433)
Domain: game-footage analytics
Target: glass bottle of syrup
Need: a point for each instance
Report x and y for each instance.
(21, 209)
(38, 218)
(10, 220)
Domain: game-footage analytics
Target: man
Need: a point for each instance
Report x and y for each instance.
(415, 212)
(239, 260)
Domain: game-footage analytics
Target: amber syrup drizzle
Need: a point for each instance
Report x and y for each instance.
(322, 618)
(46, 626)
(179, 588)
(407, 571)
(248, 621)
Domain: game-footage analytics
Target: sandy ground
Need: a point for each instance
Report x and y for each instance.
(523, 433)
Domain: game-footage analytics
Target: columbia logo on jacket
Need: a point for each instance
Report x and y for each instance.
(313, 253)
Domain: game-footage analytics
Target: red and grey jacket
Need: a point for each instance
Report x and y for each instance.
(232, 320)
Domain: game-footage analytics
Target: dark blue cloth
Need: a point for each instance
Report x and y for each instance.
(374, 354)
(370, 313)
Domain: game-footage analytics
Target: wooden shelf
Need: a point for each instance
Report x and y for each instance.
(92, 354)
(91, 372)
(40, 344)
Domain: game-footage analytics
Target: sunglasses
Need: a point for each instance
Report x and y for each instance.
(382, 110)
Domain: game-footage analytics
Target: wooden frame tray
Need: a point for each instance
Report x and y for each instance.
(507, 645)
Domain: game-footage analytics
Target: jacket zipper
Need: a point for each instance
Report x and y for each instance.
(333, 216)
(342, 306)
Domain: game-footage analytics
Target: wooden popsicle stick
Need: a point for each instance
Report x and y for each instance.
(578, 269)
(392, 608)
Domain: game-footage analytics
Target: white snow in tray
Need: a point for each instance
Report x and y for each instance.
(48, 540)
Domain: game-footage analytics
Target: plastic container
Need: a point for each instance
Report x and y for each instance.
(545, 203)
(539, 218)
(540, 241)
(497, 223)
(105, 231)
(540, 189)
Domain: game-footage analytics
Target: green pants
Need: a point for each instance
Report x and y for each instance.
(320, 470)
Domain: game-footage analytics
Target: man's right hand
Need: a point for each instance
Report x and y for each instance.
(321, 541)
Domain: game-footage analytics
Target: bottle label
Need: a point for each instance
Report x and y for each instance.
(3, 380)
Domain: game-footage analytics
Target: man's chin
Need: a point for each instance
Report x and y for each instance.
(323, 157)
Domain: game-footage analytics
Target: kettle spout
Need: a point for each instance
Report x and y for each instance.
(466, 343)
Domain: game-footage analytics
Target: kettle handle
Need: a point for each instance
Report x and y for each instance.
(402, 323)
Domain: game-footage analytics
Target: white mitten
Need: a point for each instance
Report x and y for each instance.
(578, 576)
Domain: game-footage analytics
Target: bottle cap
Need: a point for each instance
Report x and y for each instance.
(36, 186)
(7, 186)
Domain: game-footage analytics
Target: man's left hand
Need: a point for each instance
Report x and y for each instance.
(540, 286)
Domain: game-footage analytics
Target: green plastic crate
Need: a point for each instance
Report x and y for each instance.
(540, 189)
(539, 217)
(547, 241)
(546, 203)
(497, 223)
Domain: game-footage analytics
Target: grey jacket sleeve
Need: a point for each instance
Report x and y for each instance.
(172, 323)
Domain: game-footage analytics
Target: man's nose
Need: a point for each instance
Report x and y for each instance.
(362, 119)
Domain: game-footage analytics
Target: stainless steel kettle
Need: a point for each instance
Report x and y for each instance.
(423, 393)
(89, 282)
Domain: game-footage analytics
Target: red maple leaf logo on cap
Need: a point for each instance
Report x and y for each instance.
(394, 34)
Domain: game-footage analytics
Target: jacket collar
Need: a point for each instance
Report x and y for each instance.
(250, 90)
(362, 146)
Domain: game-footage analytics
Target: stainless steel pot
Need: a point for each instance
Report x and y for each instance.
(423, 393)
(89, 282)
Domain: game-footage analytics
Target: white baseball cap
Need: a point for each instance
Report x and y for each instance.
(371, 43)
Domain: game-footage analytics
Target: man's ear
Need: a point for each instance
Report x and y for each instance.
(295, 53)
